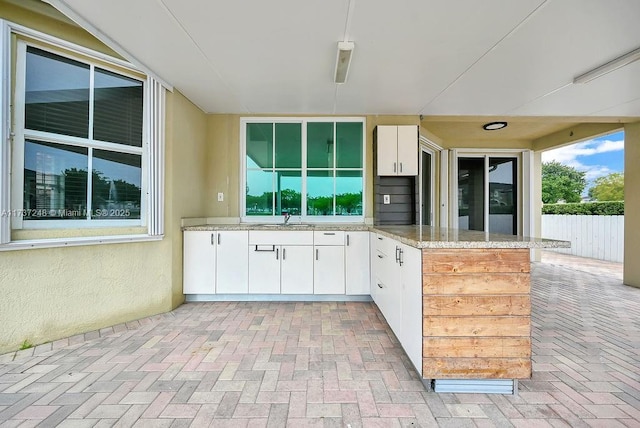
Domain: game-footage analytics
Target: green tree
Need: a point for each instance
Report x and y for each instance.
(561, 182)
(608, 188)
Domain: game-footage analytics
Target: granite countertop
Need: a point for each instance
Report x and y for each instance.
(415, 236)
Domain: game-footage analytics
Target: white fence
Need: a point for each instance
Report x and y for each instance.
(595, 236)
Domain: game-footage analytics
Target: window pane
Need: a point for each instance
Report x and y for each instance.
(349, 193)
(115, 186)
(349, 147)
(502, 197)
(320, 145)
(288, 145)
(259, 199)
(471, 193)
(57, 94)
(55, 181)
(259, 145)
(289, 192)
(117, 108)
(320, 193)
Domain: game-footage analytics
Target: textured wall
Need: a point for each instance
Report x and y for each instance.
(52, 293)
(186, 177)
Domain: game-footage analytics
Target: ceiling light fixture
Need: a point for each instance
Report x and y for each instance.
(343, 60)
(494, 126)
(615, 64)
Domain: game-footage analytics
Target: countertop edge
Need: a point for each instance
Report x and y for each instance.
(496, 243)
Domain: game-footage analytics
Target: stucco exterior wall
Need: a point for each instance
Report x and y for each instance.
(52, 293)
(631, 274)
(186, 178)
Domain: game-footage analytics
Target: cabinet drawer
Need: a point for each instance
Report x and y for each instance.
(328, 237)
(384, 245)
(262, 237)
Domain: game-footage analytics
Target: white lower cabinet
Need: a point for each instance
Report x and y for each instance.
(281, 262)
(357, 264)
(396, 287)
(232, 262)
(296, 269)
(215, 262)
(328, 270)
(199, 272)
(411, 304)
(264, 269)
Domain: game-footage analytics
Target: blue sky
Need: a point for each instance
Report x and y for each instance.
(597, 157)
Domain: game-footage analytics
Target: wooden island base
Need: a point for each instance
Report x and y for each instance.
(476, 314)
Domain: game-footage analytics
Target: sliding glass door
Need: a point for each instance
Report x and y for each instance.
(487, 194)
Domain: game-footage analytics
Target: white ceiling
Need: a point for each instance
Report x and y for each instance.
(430, 57)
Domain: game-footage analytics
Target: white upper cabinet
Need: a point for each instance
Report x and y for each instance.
(397, 148)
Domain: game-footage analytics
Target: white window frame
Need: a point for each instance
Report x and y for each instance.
(434, 150)
(303, 217)
(523, 183)
(152, 150)
(22, 135)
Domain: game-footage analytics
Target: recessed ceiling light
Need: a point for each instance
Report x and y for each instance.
(494, 126)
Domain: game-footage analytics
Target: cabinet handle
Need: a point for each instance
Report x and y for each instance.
(380, 256)
(347, 240)
(212, 238)
(400, 166)
(277, 253)
(329, 233)
(380, 238)
(379, 286)
(401, 257)
(397, 254)
(394, 167)
(317, 253)
(284, 252)
(273, 248)
(218, 239)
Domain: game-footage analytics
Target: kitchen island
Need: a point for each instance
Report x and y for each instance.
(458, 301)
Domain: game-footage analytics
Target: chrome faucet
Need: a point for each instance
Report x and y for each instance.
(287, 216)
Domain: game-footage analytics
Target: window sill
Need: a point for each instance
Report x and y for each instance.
(29, 244)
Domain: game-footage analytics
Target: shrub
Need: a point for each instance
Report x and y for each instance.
(587, 208)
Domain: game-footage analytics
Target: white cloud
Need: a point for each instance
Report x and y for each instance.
(569, 155)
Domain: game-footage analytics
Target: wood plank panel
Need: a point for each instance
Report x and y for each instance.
(476, 368)
(476, 305)
(475, 260)
(475, 347)
(476, 326)
(493, 283)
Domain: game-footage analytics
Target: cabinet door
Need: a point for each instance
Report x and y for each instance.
(296, 269)
(387, 149)
(411, 333)
(357, 269)
(328, 270)
(407, 150)
(199, 271)
(264, 269)
(232, 262)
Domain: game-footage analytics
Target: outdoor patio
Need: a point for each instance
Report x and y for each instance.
(331, 364)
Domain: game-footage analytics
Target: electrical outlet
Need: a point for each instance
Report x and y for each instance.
(386, 199)
(220, 196)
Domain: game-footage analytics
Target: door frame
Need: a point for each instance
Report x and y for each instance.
(524, 184)
(431, 148)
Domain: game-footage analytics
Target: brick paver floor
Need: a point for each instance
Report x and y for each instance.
(323, 364)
